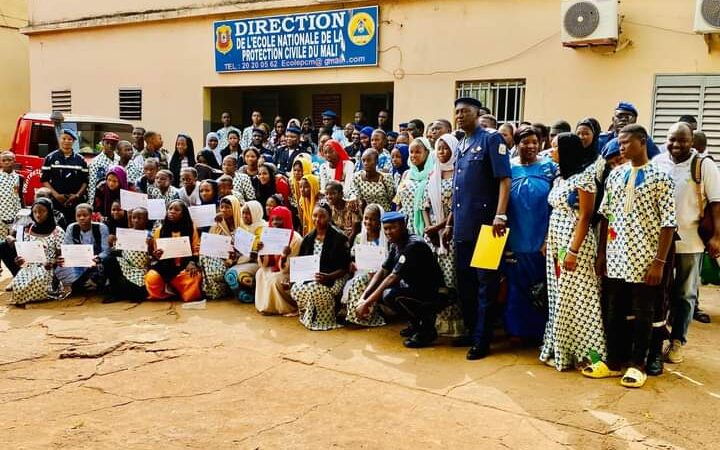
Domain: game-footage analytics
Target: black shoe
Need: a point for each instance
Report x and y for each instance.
(701, 316)
(478, 351)
(408, 331)
(110, 299)
(654, 365)
(421, 339)
(462, 341)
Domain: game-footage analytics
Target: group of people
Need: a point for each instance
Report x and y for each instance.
(605, 231)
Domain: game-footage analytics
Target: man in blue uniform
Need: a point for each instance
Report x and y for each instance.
(65, 173)
(625, 114)
(481, 191)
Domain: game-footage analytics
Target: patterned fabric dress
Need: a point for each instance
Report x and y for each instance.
(214, 284)
(134, 172)
(355, 288)
(97, 170)
(9, 201)
(169, 195)
(574, 327)
(316, 302)
(381, 192)
(34, 282)
(449, 321)
(406, 199)
(243, 185)
(134, 265)
(346, 218)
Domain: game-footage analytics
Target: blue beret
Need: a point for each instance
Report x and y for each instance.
(329, 113)
(70, 133)
(612, 148)
(393, 134)
(625, 106)
(469, 101)
(403, 125)
(367, 131)
(259, 130)
(393, 216)
(293, 130)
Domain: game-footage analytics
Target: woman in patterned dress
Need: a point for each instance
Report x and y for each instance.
(267, 184)
(399, 157)
(214, 268)
(371, 234)
(316, 299)
(437, 207)
(574, 328)
(337, 166)
(371, 186)
(241, 276)
(272, 283)
(175, 276)
(301, 166)
(345, 213)
(34, 281)
(378, 142)
(126, 271)
(411, 190)
(528, 217)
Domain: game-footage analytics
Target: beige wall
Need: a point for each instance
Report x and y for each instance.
(14, 68)
(426, 47)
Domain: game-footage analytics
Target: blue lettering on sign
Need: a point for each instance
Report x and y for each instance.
(341, 38)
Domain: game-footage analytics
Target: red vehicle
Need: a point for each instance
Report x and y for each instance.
(36, 135)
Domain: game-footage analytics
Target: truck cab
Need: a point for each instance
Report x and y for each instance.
(36, 136)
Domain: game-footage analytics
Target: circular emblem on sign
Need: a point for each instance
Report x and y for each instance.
(223, 39)
(361, 28)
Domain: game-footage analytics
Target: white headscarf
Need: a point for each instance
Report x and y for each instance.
(363, 232)
(434, 185)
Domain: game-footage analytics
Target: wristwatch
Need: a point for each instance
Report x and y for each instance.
(502, 217)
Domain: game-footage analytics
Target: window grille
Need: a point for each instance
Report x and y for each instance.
(505, 98)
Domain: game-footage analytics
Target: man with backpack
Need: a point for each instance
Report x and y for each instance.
(84, 231)
(697, 195)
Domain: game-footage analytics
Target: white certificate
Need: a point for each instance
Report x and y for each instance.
(370, 257)
(274, 240)
(31, 251)
(174, 247)
(77, 255)
(129, 239)
(215, 245)
(131, 200)
(244, 241)
(203, 215)
(156, 209)
(304, 268)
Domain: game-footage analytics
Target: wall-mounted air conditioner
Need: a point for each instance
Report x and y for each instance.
(589, 22)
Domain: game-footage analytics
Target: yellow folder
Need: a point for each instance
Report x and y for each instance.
(488, 249)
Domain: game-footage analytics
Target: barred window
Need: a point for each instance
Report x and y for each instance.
(61, 101)
(130, 104)
(505, 98)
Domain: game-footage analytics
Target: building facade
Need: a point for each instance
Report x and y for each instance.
(14, 68)
(156, 64)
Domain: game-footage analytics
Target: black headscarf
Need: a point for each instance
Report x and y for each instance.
(48, 225)
(594, 125)
(264, 191)
(184, 226)
(574, 158)
(216, 193)
(175, 160)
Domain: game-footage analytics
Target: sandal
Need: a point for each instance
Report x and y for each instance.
(633, 378)
(599, 370)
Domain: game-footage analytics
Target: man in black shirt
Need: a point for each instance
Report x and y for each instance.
(285, 156)
(65, 173)
(410, 281)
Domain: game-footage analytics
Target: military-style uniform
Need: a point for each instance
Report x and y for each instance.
(65, 175)
(482, 162)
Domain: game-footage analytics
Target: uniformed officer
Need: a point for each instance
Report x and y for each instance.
(65, 173)
(625, 114)
(285, 156)
(409, 282)
(481, 191)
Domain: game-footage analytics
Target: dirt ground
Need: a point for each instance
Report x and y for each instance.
(78, 374)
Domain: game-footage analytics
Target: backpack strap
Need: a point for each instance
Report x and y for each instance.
(696, 175)
(76, 234)
(97, 238)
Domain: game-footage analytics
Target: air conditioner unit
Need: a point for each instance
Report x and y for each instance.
(707, 16)
(589, 22)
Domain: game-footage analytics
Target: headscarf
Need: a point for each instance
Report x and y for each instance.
(264, 191)
(215, 190)
(175, 160)
(286, 216)
(308, 205)
(381, 235)
(434, 186)
(342, 157)
(110, 196)
(306, 168)
(405, 155)
(594, 126)
(574, 158)
(209, 136)
(421, 177)
(222, 227)
(184, 226)
(257, 211)
(367, 131)
(49, 225)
